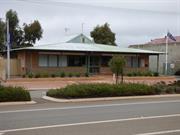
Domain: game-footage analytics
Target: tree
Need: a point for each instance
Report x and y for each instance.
(2, 35)
(13, 27)
(117, 64)
(32, 32)
(103, 35)
(19, 37)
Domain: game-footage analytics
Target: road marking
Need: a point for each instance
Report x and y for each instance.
(90, 123)
(90, 106)
(161, 132)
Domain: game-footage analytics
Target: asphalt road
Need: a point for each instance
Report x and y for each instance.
(126, 117)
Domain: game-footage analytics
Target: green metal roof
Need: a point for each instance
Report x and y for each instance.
(76, 47)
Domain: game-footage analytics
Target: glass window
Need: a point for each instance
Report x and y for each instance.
(142, 62)
(52, 61)
(43, 60)
(105, 60)
(134, 62)
(76, 60)
(62, 61)
(128, 61)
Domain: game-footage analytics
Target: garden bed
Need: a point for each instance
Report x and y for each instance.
(75, 91)
(11, 94)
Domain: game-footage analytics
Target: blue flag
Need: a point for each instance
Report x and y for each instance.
(171, 36)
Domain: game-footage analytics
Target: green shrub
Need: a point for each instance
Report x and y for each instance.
(23, 76)
(77, 74)
(30, 75)
(45, 75)
(38, 75)
(155, 74)
(129, 74)
(53, 75)
(62, 74)
(101, 90)
(86, 74)
(70, 75)
(139, 73)
(177, 72)
(13, 94)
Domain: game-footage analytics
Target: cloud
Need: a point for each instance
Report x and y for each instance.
(133, 21)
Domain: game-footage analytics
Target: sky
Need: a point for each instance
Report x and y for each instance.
(133, 21)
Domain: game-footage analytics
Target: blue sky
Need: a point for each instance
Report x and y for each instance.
(133, 21)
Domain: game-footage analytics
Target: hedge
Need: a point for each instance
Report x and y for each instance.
(8, 94)
(101, 90)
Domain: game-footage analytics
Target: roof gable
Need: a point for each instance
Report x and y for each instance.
(81, 38)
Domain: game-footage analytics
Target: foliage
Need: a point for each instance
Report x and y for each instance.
(162, 87)
(145, 73)
(177, 72)
(103, 35)
(117, 64)
(86, 74)
(2, 36)
(70, 75)
(32, 32)
(19, 37)
(62, 74)
(101, 90)
(13, 94)
(30, 75)
(77, 74)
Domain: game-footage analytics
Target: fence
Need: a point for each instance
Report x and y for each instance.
(14, 69)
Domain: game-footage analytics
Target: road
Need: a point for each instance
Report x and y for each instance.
(126, 117)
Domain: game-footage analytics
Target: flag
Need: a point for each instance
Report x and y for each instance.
(169, 35)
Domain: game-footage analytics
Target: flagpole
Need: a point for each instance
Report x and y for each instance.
(166, 63)
(8, 49)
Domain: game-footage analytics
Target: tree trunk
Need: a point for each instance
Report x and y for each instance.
(122, 77)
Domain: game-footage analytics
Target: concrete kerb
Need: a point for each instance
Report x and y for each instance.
(18, 103)
(106, 98)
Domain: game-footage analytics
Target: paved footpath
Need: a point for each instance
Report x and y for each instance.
(126, 117)
(48, 83)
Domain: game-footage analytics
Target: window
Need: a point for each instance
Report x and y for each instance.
(134, 62)
(62, 61)
(76, 60)
(128, 61)
(43, 60)
(142, 62)
(105, 60)
(52, 60)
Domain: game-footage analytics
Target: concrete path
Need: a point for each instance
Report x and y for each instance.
(48, 83)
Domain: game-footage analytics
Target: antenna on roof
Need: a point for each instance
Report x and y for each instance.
(66, 30)
(82, 27)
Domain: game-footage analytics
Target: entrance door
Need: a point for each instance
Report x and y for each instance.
(94, 64)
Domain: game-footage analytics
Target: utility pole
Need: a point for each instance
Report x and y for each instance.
(166, 62)
(82, 27)
(8, 48)
(66, 30)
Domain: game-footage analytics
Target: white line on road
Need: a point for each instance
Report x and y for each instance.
(161, 132)
(89, 123)
(90, 106)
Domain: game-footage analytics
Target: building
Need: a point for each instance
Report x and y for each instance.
(77, 54)
(159, 44)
